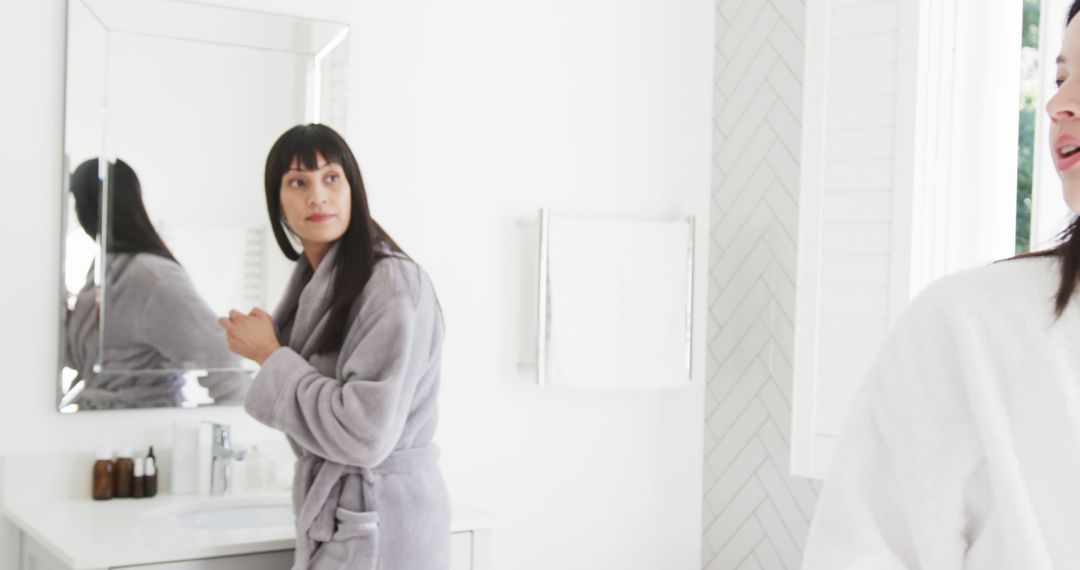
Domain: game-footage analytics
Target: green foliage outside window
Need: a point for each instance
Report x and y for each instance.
(1029, 84)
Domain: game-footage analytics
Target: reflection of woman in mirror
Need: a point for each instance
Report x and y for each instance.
(962, 448)
(154, 317)
(354, 385)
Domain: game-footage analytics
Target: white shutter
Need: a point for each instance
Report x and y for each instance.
(908, 173)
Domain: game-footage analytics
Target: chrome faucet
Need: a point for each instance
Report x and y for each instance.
(221, 456)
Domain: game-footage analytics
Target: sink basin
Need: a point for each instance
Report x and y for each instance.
(234, 514)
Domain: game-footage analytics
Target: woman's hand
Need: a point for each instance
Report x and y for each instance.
(251, 335)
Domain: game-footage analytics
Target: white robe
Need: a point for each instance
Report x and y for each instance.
(962, 448)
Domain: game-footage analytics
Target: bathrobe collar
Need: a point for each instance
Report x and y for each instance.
(307, 300)
(304, 303)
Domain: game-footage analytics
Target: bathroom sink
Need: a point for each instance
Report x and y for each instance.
(249, 513)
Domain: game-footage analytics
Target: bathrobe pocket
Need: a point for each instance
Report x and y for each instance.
(354, 546)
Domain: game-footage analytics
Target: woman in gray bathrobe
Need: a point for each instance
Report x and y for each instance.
(350, 369)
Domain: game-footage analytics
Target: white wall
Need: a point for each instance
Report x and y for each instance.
(466, 117)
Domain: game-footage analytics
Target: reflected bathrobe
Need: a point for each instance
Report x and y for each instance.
(154, 319)
(367, 490)
(962, 448)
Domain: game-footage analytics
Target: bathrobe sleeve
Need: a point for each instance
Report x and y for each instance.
(356, 419)
(905, 487)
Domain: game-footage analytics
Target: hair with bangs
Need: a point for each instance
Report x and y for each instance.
(355, 256)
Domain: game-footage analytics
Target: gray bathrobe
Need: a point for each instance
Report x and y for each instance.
(154, 319)
(367, 490)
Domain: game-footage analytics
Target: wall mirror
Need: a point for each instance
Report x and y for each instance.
(170, 110)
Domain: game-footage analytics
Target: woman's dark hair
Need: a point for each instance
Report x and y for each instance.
(130, 229)
(1067, 249)
(356, 255)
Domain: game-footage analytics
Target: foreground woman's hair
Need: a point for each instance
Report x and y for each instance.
(356, 255)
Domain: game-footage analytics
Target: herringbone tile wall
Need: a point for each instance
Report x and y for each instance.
(755, 514)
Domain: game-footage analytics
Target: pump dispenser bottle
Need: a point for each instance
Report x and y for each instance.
(138, 480)
(150, 473)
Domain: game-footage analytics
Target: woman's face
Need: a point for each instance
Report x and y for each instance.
(317, 204)
(1064, 111)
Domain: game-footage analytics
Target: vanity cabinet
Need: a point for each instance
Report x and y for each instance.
(281, 559)
(468, 551)
(60, 527)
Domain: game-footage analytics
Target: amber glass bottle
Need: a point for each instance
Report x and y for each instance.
(125, 472)
(103, 475)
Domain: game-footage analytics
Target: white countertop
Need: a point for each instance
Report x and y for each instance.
(42, 496)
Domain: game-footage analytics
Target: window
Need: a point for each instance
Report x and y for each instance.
(1045, 215)
(1029, 98)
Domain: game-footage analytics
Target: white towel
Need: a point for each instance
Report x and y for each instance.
(618, 293)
